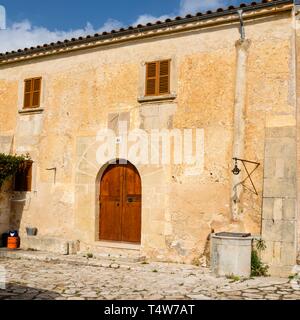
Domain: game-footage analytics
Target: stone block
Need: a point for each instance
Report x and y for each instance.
(74, 247)
(280, 167)
(277, 247)
(54, 245)
(280, 271)
(289, 209)
(281, 132)
(276, 147)
(281, 230)
(278, 209)
(269, 167)
(267, 254)
(288, 254)
(279, 188)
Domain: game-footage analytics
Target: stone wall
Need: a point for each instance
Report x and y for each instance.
(279, 226)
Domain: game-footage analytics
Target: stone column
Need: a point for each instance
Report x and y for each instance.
(279, 216)
(242, 47)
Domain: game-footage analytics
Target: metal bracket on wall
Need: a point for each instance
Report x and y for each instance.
(249, 174)
(55, 170)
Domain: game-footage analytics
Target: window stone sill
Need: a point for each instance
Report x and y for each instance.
(168, 97)
(31, 111)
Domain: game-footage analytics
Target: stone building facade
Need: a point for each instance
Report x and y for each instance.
(239, 89)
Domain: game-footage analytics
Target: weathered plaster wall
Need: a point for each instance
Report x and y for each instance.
(81, 90)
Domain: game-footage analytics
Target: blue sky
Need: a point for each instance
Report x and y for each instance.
(32, 22)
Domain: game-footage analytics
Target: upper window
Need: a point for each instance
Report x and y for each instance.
(158, 78)
(23, 177)
(32, 93)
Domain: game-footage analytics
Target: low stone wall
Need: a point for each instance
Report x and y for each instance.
(54, 245)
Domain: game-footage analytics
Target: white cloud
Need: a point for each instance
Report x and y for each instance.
(146, 18)
(192, 6)
(24, 34)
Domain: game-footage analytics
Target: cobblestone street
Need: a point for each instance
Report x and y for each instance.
(88, 279)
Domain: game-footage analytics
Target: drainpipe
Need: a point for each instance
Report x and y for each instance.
(242, 50)
(296, 26)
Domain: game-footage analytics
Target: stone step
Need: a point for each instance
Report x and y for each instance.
(119, 257)
(79, 259)
(112, 251)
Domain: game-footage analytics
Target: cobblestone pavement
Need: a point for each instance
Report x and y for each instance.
(71, 280)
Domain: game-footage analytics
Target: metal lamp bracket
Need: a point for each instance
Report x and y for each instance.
(249, 173)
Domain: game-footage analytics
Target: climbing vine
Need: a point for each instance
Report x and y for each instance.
(9, 165)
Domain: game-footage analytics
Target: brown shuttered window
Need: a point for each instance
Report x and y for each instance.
(23, 177)
(32, 93)
(158, 78)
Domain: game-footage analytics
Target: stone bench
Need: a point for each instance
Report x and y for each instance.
(48, 244)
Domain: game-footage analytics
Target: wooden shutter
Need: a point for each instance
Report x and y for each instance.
(28, 173)
(32, 93)
(158, 78)
(27, 94)
(164, 77)
(151, 79)
(36, 92)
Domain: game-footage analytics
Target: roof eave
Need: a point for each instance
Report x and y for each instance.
(174, 26)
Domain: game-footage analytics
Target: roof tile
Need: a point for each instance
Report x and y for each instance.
(200, 15)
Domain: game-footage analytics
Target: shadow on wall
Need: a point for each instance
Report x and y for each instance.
(18, 292)
(5, 208)
(19, 202)
(12, 206)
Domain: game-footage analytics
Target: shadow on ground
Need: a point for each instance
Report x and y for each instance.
(19, 292)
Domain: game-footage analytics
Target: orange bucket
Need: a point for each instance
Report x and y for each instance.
(13, 242)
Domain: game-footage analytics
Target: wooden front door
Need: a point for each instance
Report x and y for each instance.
(120, 204)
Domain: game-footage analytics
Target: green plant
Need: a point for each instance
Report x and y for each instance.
(196, 262)
(155, 271)
(89, 255)
(233, 278)
(9, 165)
(260, 245)
(258, 268)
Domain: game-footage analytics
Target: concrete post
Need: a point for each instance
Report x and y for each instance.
(242, 47)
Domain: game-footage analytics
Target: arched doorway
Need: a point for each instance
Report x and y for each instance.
(120, 204)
